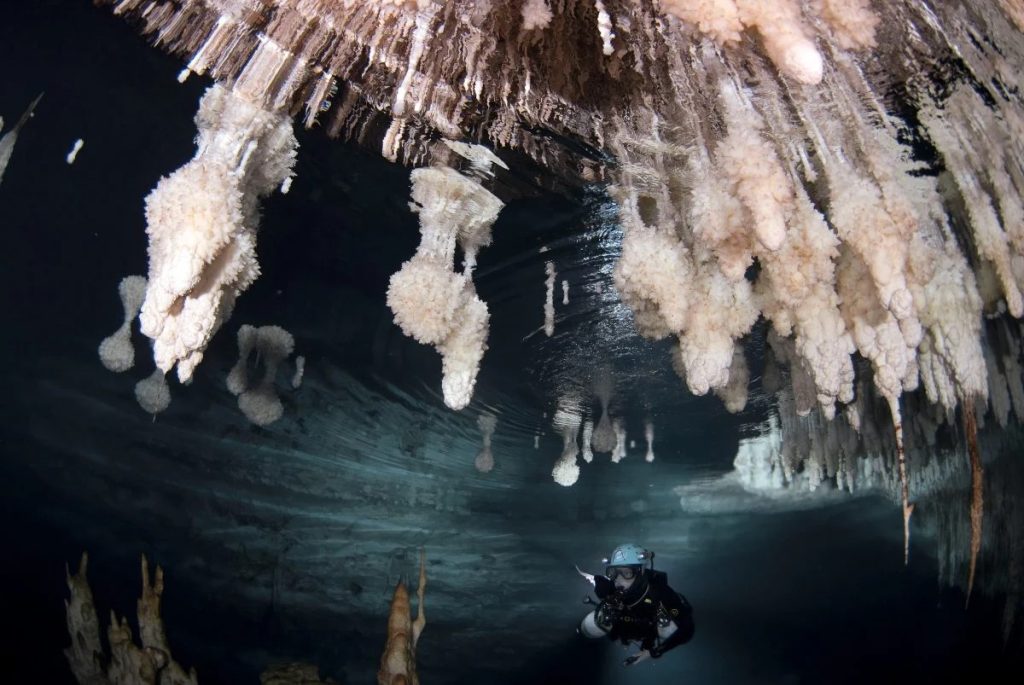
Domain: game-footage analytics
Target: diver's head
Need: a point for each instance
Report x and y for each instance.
(624, 576)
(625, 565)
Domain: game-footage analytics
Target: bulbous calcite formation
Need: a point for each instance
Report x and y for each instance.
(432, 302)
(201, 222)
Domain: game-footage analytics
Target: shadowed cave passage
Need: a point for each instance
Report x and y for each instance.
(284, 542)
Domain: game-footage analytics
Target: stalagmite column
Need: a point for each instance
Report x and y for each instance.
(398, 662)
(84, 654)
(128, 663)
(977, 494)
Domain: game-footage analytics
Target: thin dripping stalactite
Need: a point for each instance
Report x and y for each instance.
(901, 459)
(977, 494)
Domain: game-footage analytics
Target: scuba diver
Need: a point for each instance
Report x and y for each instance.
(637, 605)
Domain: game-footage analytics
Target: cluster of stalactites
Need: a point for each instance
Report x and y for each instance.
(797, 457)
(609, 437)
(855, 452)
(782, 28)
(428, 67)
(434, 303)
(606, 436)
(202, 220)
(726, 155)
(854, 248)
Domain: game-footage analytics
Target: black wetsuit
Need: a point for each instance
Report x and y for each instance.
(634, 615)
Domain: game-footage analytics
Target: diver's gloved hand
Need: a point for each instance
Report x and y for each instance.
(605, 616)
(603, 586)
(636, 658)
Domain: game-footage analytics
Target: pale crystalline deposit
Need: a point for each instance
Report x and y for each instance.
(432, 302)
(201, 222)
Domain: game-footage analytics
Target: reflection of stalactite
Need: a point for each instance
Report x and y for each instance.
(977, 494)
(116, 351)
(603, 439)
(259, 400)
(566, 421)
(487, 423)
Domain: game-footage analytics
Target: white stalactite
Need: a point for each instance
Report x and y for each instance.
(201, 222)
(432, 302)
(549, 299)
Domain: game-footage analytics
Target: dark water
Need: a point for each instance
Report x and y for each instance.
(285, 542)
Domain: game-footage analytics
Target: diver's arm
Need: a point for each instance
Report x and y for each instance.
(674, 640)
(681, 615)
